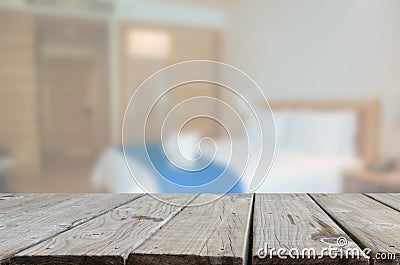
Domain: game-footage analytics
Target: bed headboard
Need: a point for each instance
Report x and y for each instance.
(369, 120)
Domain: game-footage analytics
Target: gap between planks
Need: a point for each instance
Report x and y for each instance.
(348, 232)
(295, 221)
(248, 235)
(212, 233)
(108, 238)
(15, 239)
(373, 224)
(391, 200)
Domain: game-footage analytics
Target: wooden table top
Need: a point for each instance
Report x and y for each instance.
(234, 229)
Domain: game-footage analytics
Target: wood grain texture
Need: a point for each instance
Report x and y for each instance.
(12, 200)
(49, 215)
(212, 233)
(294, 221)
(368, 221)
(16, 205)
(138, 229)
(390, 199)
(109, 238)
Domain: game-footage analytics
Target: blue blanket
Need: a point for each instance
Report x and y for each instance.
(183, 177)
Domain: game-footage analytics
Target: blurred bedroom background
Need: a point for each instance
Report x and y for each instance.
(330, 70)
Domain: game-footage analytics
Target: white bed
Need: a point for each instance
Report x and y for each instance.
(305, 160)
(291, 172)
(298, 173)
(111, 173)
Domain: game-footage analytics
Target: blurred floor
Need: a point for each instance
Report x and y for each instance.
(60, 174)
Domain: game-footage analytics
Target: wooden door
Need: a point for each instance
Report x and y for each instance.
(73, 80)
(68, 106)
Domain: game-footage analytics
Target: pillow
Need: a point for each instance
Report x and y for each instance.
(326, 133)
(253, 128)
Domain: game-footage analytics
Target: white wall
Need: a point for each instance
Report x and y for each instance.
(317, 49)
(314, 48)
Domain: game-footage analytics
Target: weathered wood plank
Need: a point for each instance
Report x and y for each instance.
(16, 205)
(294, 221)
(212, 233)
(109, 238)
(371, 223)
(44, 219)
(390, 199)
(12, 200)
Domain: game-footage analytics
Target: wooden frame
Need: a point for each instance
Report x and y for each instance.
(369, 120)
